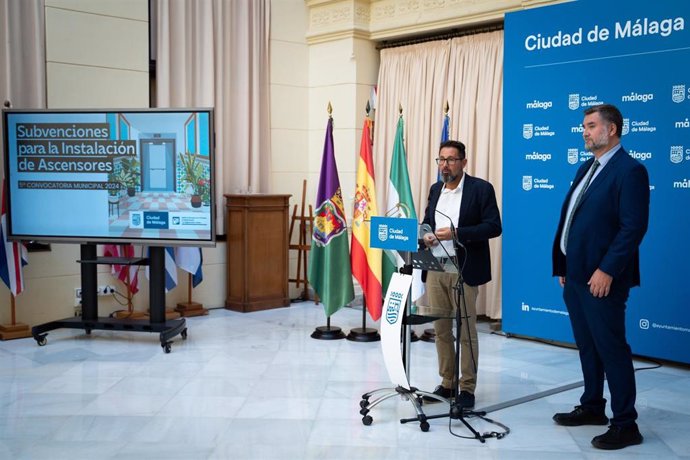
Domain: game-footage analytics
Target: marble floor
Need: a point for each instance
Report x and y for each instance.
(256, 386)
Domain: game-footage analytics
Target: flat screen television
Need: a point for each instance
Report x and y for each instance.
(142, 176)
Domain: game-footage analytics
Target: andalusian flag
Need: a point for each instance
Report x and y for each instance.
(400, 203)
(329, 261)
(366, 261)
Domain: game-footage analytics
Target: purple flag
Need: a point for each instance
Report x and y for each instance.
(329, 258)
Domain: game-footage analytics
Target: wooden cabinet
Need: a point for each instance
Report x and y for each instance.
(257, 252)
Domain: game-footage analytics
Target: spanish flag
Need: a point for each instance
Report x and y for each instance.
(365, 260)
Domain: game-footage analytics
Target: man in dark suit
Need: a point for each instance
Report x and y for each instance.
(463, 215)
(595, 255)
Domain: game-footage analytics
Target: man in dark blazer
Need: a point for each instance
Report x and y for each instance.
(595, 255)
(463, 215)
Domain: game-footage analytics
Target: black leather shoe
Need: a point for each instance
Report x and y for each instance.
(580, 416)
(466, 400)
(618, 437)
(440, 391)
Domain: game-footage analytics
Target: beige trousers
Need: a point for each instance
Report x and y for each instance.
(442, 297)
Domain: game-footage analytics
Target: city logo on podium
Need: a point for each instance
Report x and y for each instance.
(136, 219)
(678, 93)
(526, 183)
(626, 126)
(383, 232)
(573, 156)
(676, 154)
(393, 307)
(573, 101)
(527, 130)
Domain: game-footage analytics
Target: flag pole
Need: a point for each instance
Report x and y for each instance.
(14, 330)
(364, 333)
(326, 332)
(130, 313)
(429, 334)
(190, 308)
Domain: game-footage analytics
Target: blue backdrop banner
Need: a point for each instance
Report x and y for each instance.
(559, 60)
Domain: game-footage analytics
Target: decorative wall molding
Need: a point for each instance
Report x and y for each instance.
(390, 19)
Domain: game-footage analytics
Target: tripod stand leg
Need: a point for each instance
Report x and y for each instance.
(454, 413)
(472, 430)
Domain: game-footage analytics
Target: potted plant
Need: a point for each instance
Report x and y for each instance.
(130, 174)
(114, 187)
(206, 193)
(194, 176)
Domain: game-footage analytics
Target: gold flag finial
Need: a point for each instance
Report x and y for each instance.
(329, 109)
(400, 108)
(446, 108)
(368, 108)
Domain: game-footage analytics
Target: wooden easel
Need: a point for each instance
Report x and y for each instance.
(306, 226)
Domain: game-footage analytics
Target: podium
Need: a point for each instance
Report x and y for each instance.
(257, 252)
(397, 318)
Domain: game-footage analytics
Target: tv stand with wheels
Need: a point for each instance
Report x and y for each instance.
(90, 320)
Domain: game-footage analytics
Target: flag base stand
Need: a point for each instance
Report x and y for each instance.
(124, 314)
(428, 336)
(364, 334)
(328, 333)
(191, 309)
(14, 331)
(171, 314)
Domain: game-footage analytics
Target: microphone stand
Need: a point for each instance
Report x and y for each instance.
(455, 411)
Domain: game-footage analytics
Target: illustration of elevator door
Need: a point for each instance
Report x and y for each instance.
(158, 165)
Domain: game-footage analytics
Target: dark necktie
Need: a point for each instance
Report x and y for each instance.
(569, 222)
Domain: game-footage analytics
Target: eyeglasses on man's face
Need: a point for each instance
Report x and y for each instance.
(448, 161)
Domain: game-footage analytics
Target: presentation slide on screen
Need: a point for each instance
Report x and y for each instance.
(136, 175)
(559, 60)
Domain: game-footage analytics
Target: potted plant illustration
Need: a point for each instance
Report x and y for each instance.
(194, 176)
(130, 174)
(114, 187)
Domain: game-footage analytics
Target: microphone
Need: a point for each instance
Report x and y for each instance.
(456, 242)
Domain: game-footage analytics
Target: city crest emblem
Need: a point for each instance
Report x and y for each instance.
(626, 126)
(383, 232)
(573, 101)
(392, 310)
(572, 156)
(527, 183)
(678, 93)
(527, 130)
(676, 154)
(329, 221)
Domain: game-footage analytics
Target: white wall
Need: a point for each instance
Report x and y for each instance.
(321, 51)
(97, 57)
(289, 84)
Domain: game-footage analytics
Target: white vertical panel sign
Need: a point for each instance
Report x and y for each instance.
(391, 326)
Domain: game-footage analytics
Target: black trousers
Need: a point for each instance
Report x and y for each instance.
(599, 330)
